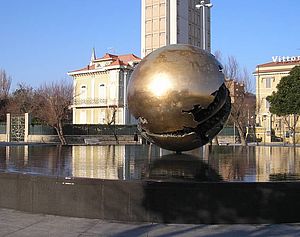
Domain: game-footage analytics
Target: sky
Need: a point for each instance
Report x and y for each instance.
(40, 41)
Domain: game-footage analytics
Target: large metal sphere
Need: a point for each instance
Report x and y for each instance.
(179, 97)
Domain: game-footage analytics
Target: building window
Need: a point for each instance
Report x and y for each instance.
(268, 81)
(83, 92)
(102, 91)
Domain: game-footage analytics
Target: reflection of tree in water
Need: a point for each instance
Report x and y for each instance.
(232, 162)
(287, 166)
(3, 158)
(47, 160)
(277, 163)
(61, 161)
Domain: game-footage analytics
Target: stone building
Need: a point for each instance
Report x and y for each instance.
(236, 89)
(245, 103)
(271, 128)
(100, 90)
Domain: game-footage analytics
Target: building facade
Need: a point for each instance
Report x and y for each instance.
(236, 89)
(167, 22)
(270, 127)
(100, 89)
(243, 103)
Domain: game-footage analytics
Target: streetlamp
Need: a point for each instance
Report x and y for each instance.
(203, 5)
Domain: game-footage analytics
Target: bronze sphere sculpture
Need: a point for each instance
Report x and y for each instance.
(179, 97)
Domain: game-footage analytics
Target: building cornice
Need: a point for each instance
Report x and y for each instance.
(86, 71)
(107, 68)
(271, 72)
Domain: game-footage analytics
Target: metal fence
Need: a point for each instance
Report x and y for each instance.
(2, 127)
(229, 131)
(41, 129)
(91, 129)
(98, 129)
(85, 129)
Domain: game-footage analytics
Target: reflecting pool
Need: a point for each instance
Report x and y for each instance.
(136, 162)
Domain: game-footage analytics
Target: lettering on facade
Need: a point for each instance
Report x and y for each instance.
(279, 59)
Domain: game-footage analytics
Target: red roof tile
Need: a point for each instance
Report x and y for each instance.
(121, 60)
(88, 67)
(129, 57)
(107, 56)
(118, 62)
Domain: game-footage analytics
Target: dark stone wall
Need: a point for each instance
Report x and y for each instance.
(152, 201)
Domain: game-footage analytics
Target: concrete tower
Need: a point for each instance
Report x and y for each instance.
(167, 22)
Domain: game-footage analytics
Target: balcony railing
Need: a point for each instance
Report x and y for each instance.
(96, 102)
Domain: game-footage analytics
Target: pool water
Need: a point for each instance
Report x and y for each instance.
(138, 162)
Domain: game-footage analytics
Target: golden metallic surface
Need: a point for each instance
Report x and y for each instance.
(177, 92)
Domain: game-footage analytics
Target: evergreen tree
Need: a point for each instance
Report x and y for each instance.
(285, 102)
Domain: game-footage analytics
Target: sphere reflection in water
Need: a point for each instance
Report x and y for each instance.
(179, 97)
(182, 167)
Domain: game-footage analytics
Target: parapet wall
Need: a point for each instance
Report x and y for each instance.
(151, 201)
(82, 139)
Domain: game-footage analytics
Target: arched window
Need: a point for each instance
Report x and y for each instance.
(102, 91)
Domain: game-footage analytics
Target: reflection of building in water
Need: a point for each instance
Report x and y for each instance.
(46, 160)
(103, 162)
(255, 163)
(111, 162)
(233, 163)
(16, 156)
(137, 160)
(276, 161)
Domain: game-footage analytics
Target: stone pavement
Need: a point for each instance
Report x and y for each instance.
(19, 224)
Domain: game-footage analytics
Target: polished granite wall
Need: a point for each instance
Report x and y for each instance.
(153, 201)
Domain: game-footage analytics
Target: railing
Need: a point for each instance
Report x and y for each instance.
(229, 131)
(85, 129)
(96, 101)
(41, 129)
(100, 129)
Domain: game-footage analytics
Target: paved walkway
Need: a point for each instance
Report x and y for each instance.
(20, 224)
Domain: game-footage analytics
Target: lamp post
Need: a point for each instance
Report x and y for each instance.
(203, 5)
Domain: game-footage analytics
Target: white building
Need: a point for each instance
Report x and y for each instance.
(100, 90)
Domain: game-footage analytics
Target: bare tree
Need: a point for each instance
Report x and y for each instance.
(232, 69)
(111, 115)
(5, 83)
(53, 101)
(22, 100)
(243, 101)
(111, 120)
